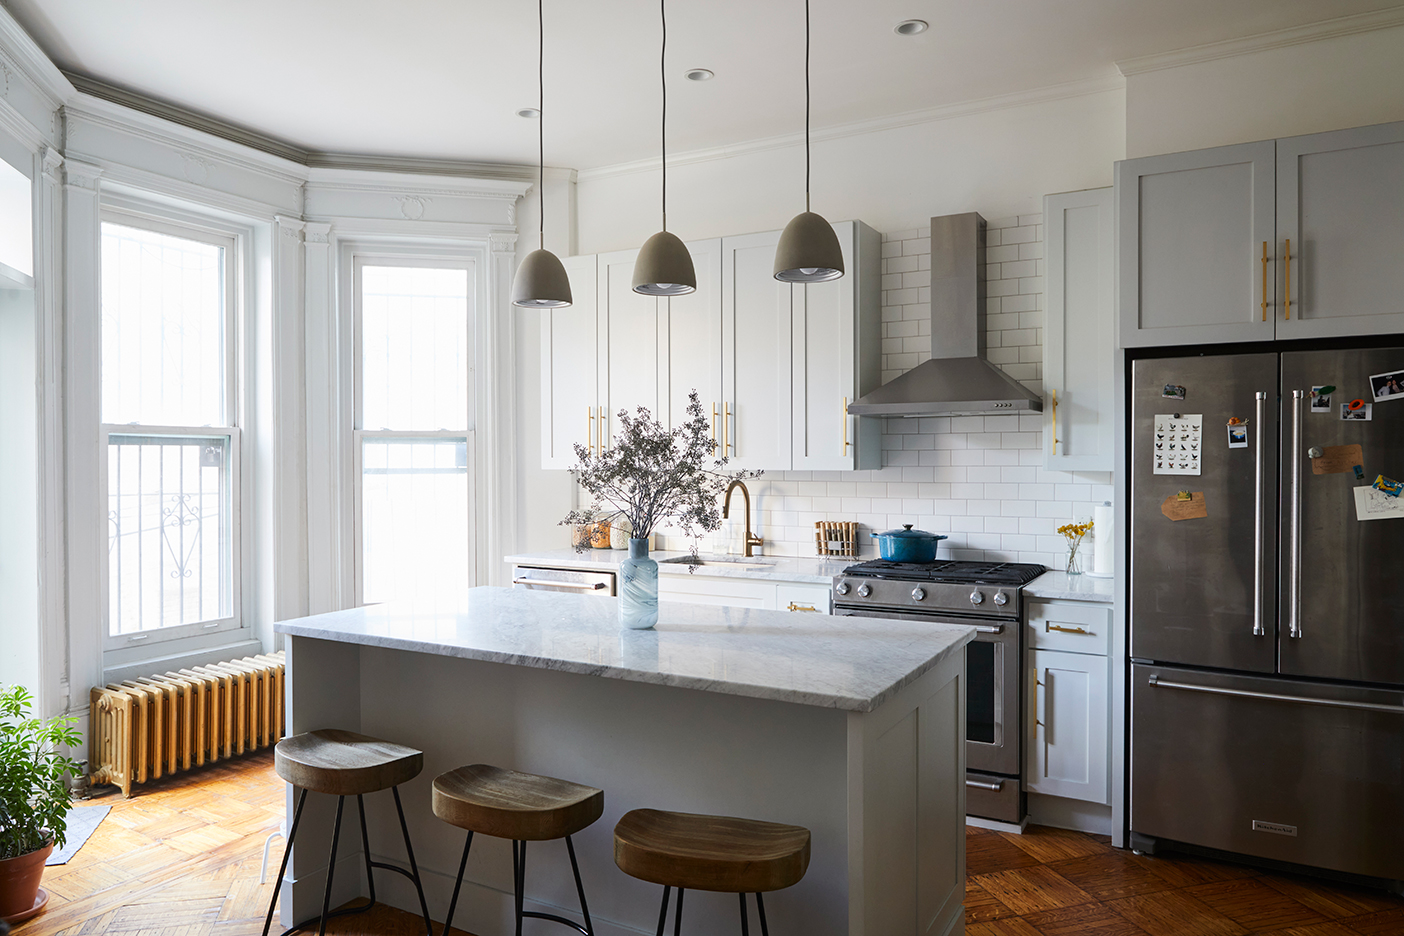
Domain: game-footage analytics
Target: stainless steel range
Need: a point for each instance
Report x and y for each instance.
(989, 596)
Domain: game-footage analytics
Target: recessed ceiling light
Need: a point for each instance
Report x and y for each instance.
(700, 74)
(530, 113)
(910, 27)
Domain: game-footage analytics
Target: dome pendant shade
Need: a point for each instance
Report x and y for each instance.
(664, 267)
(541, 282)
(808, 251)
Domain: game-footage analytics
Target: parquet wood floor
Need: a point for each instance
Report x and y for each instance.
(180, 858)
(1049, 882)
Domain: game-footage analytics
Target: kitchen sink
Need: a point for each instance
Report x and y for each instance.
(709, 559)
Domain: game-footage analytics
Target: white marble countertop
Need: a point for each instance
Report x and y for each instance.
(809, 569)
(1061, 585)
(849, 663)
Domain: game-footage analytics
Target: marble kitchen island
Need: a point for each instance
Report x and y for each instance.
(852, 727)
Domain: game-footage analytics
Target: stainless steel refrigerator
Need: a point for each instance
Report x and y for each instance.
(1267, 607)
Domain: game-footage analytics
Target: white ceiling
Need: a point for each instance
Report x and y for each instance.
(440, 79)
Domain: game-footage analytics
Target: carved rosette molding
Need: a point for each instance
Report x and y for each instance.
(412, 206)
(317, 233)
(503, 242)
(81, 175)
(195, 168)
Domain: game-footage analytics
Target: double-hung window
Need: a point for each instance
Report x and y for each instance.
(413, 429)
(168, 397)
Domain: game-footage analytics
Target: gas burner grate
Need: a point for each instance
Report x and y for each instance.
(950, 571)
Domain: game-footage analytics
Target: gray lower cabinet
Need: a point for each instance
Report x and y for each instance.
(1068, 738)
(1290, 238)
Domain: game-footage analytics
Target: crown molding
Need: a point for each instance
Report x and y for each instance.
(391, 182)
(31, 60)
(1072, 89)
(1263, 42)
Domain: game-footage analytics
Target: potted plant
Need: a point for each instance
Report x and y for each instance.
(34, 799)
(649, 476)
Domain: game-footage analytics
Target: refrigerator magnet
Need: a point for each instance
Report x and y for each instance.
(1371, 504)
(1336, 459)
(1359, 472)
(1357, 409)
(1388, 386)
(1173, 392)
(1387, 485)
(1321, 398)
(1237, 436)
(1185, 505)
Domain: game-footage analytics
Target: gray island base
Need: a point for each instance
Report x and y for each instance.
(852, 727)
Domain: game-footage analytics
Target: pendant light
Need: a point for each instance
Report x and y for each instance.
(809, 250)
(664, 267)
(541, 281)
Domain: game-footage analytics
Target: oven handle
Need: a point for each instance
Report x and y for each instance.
(990, 628)
(995, 786)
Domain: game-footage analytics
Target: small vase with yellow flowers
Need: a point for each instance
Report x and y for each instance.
(1073, 534)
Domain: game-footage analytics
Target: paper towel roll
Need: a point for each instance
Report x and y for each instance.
(1103, 541)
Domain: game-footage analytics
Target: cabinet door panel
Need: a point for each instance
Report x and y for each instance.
(1192, 231)
(1068, 738)
(694, 325)
(1080, 337)
(630, 345)
(1340, 199)
(755, 354)
(569, 374)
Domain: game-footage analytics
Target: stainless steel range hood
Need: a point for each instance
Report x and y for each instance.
(957, 381)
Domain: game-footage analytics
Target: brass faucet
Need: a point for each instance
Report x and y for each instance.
(751, 538)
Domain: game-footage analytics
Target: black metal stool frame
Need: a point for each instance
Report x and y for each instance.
(677, 917)
(519, 889)
(327, 913)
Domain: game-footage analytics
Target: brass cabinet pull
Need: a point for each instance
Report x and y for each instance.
(1265, 264)
(590, 429)
(846, 443)
(799, 607)
(1287, 280)
(1069, 630)
(727, 447)
(1055, 421)
(602, 429)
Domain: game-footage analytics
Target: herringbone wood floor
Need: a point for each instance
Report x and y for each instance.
(180, 858)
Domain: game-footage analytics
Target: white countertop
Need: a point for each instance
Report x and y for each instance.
(850, 663)
(1061, 585)
(810, 569)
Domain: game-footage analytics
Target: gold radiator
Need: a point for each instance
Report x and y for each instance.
(145, 728)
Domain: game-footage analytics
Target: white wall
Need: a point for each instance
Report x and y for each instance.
(19, 493)
(1329, 84)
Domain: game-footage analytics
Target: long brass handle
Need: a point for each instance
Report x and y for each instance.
(1055, 420)
(798, 607)
(1265, 265)
(603, 429)
(1287, 281)
(846, 443)
(727, 447)
(590, 429)
(1069, 630)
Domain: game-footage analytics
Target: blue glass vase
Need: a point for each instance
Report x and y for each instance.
(638, 588)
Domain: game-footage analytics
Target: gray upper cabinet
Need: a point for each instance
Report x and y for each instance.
(1340, 203)
(1193, 228)
(1293, 238)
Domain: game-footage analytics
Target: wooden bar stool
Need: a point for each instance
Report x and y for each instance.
(522, 807)
(344, 764)
(711, 853)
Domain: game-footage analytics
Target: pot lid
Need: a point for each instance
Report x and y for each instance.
(908, 533)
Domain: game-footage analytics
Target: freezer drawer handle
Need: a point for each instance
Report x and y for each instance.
(995, 786)
(1156, 681)
(583, 586)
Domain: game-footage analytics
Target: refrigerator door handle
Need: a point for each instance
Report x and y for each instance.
(1258, 486)
(1156, 682)
(1294, 623)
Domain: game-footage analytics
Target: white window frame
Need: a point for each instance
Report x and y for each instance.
(235, 240)
(429, 259)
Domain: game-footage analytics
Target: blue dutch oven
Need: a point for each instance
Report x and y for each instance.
(907, 545)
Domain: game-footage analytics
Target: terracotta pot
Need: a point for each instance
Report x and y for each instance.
(19, 881)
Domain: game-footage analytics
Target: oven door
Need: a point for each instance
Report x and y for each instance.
(992, 690)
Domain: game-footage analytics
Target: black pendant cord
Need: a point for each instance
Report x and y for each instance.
(806, 105)
(541, 117)
(663, 128)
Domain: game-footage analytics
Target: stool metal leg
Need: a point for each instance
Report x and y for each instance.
(580, 889)
(414, 868)
(760, 906)
(331, 866)
(662, 912)
(518, 878)
(677, 917)
(282, 868)
(453, 903)
(745, 923)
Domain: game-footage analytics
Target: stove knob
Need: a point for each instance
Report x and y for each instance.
(976, 598)
(864, 591)
(1001, 599)
(918, 593)
(842, 588)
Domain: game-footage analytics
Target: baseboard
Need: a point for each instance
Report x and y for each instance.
(981, 823)
(1059, 812)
